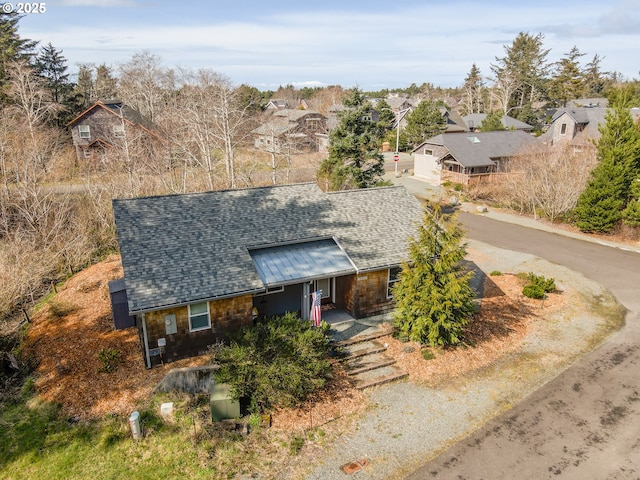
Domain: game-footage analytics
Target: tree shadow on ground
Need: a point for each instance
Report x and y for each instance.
(499, 314)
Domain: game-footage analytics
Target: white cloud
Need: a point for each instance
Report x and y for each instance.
(98, 3)
(427, 43)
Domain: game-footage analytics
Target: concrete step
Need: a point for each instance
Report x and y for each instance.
(363, 338)
(373, 348)
(371, 366)
(382, 379)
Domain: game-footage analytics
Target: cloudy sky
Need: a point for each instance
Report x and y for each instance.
(370, 43)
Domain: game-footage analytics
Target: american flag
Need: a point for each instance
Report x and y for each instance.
(315, 314)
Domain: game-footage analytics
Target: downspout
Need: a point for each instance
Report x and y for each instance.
(145, 340)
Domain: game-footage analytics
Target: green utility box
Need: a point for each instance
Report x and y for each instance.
(223, 407)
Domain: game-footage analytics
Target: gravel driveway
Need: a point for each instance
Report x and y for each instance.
(408, 423)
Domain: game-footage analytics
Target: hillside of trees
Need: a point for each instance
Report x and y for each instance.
(55, 212)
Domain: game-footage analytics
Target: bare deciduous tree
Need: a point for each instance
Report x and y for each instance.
(547, 180)
(144, 84)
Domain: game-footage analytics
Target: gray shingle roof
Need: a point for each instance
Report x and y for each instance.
(179, 249)
(477, 149)
(476, 119)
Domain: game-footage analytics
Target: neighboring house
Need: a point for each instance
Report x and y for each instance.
(466, 158)
(197, 266)
(577, 127)
(291, 130)
(578, 124)
(104, 125)
(453, 121)
(398, 103)
(474, 122)
(333, 115)
(277, 104)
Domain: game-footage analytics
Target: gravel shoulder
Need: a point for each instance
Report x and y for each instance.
(409, 423)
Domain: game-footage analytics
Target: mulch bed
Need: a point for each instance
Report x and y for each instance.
(67, 335)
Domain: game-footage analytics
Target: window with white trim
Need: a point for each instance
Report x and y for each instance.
(199, 317)
(563, 129)
(394, 276)
(84, 131)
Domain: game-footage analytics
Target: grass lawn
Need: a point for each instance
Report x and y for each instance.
(35, 442)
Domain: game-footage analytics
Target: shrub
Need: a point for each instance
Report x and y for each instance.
(427, 354)
(110, 359)
(537, 285)
(61, 309)
(533, 291)
(278, 362)
(495, 273)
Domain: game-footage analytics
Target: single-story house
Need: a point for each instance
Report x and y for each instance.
(467, 157)
(197, 266)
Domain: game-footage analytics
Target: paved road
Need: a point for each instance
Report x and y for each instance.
(585, 424)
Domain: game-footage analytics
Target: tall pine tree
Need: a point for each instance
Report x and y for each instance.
(51, 66)
(525, 67)
(13, 48)
(568, 83)
(424, 122)
(354, 158)
(434, 299)
(600, 206)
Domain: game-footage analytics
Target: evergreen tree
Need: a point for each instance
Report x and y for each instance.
(595, 81)
(434, 299)
(13, 48)
(525, 67)
(105, 84)
(386, 118)
(354, 158)
(568, 81)
(631, 214)
(84, 85)
(600, 206)
(492, 122)
(424, 122)
(51, 66)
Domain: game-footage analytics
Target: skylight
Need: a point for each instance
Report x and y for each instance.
(473, 139)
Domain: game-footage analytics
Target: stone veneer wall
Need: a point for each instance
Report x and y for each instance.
(226, 315)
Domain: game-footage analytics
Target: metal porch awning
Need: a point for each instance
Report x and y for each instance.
(299, 262)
